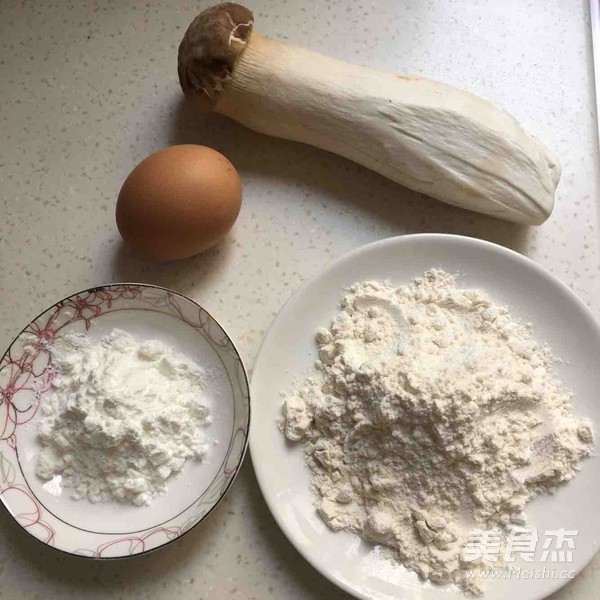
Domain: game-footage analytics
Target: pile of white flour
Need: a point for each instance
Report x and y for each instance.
(433, 412)
(123, 416)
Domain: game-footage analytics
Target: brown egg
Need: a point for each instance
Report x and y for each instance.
(178, 202)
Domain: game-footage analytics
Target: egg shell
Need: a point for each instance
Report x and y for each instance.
(178, 202)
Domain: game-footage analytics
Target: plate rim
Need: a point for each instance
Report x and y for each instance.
(261, 471)
(247, 429)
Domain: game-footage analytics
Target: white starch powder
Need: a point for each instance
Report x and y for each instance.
(433, 412)
(123, 416)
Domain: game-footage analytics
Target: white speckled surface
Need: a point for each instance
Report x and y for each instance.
(88, 88)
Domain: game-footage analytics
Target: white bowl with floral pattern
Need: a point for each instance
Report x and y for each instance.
(115, 530)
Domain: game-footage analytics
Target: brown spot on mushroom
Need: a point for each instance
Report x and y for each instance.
(209, 49)
(406, 77)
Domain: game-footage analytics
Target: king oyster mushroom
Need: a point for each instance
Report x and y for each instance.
(425, 135)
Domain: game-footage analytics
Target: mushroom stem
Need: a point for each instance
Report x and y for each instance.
(428, 136)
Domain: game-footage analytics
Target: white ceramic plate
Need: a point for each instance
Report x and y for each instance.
(289, 350)
(114, 530)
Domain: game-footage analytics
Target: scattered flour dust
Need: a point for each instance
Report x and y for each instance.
(432, 412)
(123, 416)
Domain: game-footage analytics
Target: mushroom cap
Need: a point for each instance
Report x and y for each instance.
(209, 48)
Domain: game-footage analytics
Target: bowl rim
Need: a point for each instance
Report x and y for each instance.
(246, 429)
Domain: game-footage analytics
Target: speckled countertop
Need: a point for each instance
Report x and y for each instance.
(89, 87)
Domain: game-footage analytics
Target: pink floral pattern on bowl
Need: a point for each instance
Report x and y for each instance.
(25, 376)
